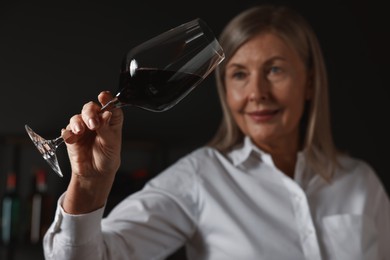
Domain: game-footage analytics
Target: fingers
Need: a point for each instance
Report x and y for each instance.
(115, 116)
(74, 130)
(89, 115)
(91, 112)
(104, 97)
(68, 136)
(90, 118)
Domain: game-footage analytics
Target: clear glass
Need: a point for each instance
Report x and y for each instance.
(156, 75)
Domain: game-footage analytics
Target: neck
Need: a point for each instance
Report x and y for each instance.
(286, 164)
(284, 155)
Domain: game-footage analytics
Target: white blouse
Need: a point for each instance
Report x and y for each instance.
(238, 206)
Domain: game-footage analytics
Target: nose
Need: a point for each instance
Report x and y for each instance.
(259, 89)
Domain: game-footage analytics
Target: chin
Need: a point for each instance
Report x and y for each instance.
(262, 136)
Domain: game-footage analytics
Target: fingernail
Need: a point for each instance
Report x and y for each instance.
(92, 123)
(66, 134)
(77, 128)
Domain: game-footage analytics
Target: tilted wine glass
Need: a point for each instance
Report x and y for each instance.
(156, 75)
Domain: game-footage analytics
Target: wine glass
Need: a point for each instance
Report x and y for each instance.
(156, 75)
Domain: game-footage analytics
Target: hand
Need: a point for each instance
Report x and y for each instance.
(93, 140)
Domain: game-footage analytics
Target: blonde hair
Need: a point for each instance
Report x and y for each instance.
(316, 138)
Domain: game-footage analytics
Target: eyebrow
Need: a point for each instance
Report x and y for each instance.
(270, 60)
(235, 65)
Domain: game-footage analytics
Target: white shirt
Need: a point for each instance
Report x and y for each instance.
(238, 207)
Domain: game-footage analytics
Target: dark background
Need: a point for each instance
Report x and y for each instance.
(55, 57)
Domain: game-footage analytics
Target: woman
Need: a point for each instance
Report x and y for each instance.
(270, 185)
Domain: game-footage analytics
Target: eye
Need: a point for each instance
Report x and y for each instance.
(237, 78)
(239, 75)
(275, 73)
(275, 70)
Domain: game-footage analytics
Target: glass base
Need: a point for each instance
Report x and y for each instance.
(46, 148)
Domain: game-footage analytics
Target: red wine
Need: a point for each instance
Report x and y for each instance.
(155, 90)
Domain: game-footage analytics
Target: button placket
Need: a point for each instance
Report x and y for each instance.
(303, 219)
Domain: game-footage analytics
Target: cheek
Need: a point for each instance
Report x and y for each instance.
(295, 108)
(236, 103)
(235, 99)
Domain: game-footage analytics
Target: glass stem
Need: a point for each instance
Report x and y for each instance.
(112, 104)
(56, 142)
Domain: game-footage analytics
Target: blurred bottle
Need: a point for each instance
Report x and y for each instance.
(41, 208)
(10, 215)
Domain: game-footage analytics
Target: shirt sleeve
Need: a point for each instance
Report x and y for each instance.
(73, 235)
(149, 224)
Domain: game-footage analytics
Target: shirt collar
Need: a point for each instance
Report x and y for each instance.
(242, 152)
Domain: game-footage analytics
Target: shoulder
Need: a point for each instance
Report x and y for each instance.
(350, 164)
(187, 169)
(357, 170)
(199, 158)
(184, 179)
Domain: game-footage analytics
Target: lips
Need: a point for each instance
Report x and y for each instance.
(263, 115)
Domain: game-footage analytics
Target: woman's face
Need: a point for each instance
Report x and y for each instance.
(266, 88)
